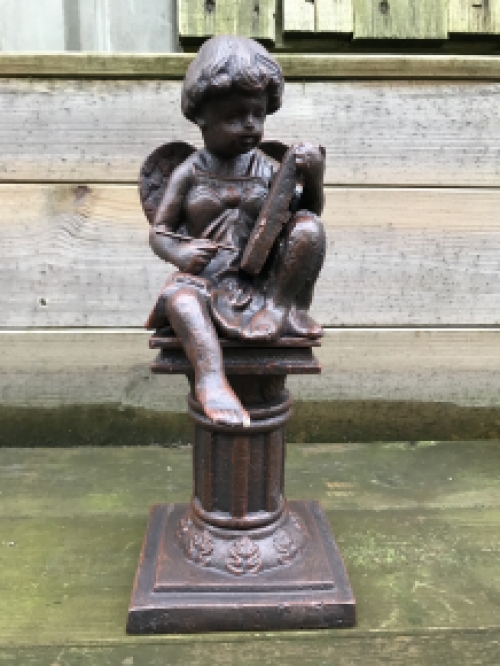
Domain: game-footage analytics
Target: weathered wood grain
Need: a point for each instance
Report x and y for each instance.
(480, 17)
(44, 369)
(97, 65)
(68, 560)
(382, 132)
(299, 66)
(198, 18)
(44, 483)
(78, 255)
(400, 19)
(334, 16)
(67, 580)
(447, 648)
(298, 16)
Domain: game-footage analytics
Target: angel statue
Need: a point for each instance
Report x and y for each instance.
(239, 218)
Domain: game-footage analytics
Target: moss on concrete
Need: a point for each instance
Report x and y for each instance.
(313, 421)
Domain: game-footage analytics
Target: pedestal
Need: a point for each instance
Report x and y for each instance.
(239, 557)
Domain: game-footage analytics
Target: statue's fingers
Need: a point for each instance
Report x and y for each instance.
(207, 245)
(206, 256)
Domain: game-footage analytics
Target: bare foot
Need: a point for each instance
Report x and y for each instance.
(267, 324)
(301, 324)
(219, 401)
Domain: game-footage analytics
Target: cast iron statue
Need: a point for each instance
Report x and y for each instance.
(214, 197)
(240, 221)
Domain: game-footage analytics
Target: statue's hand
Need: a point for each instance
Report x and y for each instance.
(192, 257)
(310, 161)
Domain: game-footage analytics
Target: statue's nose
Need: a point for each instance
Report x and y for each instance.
(250, 122)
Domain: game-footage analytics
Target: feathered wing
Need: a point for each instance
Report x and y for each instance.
(156, 171)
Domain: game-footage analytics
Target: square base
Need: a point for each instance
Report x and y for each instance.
(174, 595)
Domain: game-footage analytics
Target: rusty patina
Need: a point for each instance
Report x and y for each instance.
(240, 219)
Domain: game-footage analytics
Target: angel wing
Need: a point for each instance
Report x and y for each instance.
(155, 173)
(159, 165)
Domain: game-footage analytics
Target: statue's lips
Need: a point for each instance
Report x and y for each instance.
(248, 141)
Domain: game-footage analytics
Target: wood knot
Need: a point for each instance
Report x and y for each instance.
(80, 192)
(384, 7)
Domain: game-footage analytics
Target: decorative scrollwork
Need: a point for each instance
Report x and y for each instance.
(243, 557)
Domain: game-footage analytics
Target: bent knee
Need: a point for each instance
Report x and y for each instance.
(307, 227)
(180, 297)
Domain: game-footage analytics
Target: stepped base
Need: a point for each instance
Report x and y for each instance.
(193, 577)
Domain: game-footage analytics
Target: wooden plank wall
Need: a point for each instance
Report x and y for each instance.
(199, 18)
(410, 293)
(157, 26)
(403, 19)
(416, 20)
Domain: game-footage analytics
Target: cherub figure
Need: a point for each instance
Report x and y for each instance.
(203, 209)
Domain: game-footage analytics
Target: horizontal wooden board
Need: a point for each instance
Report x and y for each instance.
(67, 580)
(448, 648)
(375, 132)
(78, 255)
(324, 66)
(42, 483)
(43, 369)
(74, 521)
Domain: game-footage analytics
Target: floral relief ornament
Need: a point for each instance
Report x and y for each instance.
(244, 557)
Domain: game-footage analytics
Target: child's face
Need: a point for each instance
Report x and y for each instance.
(233, 124)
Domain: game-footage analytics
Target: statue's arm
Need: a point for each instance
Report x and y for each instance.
(189, 257)
(168, 214)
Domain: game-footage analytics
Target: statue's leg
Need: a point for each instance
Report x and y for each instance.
(188, 314)
(308, 229)
(294, 272)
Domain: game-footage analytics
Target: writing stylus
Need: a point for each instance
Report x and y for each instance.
(180, 237)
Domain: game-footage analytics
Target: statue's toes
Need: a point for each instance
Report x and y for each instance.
(261, 328)
(302, 325)
(231, 417)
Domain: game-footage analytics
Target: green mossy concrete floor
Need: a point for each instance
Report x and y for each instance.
(418, 526)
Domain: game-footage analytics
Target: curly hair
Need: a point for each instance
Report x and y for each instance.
(226, 63)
